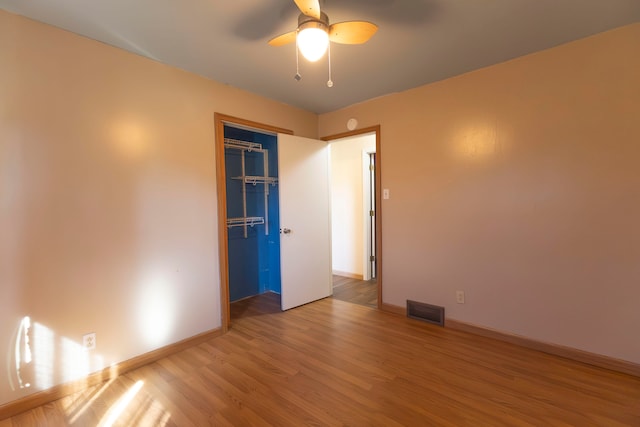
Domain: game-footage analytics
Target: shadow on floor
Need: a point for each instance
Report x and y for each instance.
(361, 292)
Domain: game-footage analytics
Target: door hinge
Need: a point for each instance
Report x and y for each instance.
(372, 258)
(372, 213)
(372, 167)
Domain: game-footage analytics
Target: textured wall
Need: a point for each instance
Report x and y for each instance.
(108, 218)
(522, 187)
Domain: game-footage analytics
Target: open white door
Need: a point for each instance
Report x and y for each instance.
(305, 228)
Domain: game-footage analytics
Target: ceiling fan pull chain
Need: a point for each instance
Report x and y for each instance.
(298, 77)
(329, 82)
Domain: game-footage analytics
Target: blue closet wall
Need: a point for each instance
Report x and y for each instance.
(254, 262)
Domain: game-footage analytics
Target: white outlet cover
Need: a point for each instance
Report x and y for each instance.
(89, 341)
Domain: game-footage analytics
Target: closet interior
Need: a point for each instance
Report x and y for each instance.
(251, 166)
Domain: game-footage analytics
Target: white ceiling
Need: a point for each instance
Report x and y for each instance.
(418, 41)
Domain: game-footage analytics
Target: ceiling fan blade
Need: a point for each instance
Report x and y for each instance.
(309, 7)
(352, 32)
(283, 39)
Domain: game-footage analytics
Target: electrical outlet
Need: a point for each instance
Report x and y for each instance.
(460, 297)
(89, 341)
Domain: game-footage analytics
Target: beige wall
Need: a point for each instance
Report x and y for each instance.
(347, 206)
(520, 185)
(521, 181)
(107, 200)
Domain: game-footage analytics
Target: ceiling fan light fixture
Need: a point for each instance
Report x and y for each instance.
(313, 40)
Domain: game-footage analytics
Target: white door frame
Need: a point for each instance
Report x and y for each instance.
(366, 220)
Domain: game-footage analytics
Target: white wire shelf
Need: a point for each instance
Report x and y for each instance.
(249, 221)
(257, 179)
(242, 145)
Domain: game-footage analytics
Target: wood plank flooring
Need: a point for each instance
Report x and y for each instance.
(363, 292)
(332, 363)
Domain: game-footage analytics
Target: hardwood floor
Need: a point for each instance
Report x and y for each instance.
(332, 363)
(363, 292)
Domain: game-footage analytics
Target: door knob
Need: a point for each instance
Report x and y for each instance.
(285, 230)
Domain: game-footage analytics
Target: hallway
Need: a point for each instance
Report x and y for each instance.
(362, 292)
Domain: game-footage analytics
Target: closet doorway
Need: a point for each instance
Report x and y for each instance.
(273, 214)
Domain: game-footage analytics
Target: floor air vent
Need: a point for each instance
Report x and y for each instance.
(426, 312)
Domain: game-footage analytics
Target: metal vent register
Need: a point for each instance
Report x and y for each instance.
(425, 312)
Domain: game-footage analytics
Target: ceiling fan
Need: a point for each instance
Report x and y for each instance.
(314, 33)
